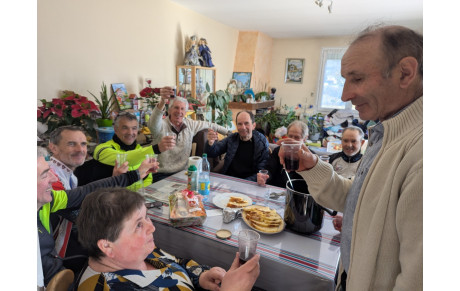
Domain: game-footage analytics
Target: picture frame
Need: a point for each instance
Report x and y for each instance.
(294, 71)
(243, 80)
(121, 95)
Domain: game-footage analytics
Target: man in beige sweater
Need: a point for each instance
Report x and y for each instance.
(382, 233)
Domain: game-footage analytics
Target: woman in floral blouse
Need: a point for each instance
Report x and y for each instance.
(114, 227)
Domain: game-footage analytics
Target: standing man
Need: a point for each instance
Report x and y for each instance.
(181, 128)
(382, 233)
(247, 150)
(126, 128)
(346, 162)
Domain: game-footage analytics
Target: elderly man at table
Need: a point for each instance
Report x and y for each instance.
(182, 128)
(247, 149)
(298, 131)
(346, 162)
(126, 128)
(50, 201)
(116, 230)
(382, 233)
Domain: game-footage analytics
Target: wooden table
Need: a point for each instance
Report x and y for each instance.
(289, 261)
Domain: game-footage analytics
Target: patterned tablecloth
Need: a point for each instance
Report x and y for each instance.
(289, 261)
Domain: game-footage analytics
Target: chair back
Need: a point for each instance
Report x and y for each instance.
(61, 281)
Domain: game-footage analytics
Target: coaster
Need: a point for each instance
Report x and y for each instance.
(223, 234)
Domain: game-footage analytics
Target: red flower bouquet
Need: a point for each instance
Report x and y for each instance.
(150, 94)
(70, 109)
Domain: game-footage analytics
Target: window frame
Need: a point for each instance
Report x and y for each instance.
(326, 54)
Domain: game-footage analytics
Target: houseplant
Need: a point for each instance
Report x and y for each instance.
(273, 120)
(69, 109)
(218, 102)
(261, 96)
(315, 126)
(105, 106)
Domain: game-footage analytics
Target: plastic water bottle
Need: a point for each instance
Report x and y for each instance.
(192, 178)
(204, 183)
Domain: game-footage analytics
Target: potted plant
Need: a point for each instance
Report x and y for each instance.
(69, 109)
(273, 120)
(315, 126)
(105, 107)
(218, 102)
(261, 96)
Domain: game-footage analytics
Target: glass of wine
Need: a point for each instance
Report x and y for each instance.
(291, 154)
(247, 244)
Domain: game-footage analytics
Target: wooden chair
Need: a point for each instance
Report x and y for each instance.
(61, 281)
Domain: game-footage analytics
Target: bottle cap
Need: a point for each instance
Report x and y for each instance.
(223, 233)
(192, 168)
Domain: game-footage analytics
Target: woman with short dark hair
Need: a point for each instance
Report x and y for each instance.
(114, 227)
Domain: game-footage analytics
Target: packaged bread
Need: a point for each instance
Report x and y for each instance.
(186, 208)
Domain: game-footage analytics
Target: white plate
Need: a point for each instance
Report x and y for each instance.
(221, 200)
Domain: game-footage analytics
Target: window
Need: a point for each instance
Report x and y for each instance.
(330, 84)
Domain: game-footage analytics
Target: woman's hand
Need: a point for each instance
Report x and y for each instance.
(241, 277)
(211, 279)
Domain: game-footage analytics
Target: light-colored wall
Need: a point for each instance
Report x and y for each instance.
(82, 43)
(308, 49)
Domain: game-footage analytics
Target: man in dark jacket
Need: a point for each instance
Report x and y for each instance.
(247, 150)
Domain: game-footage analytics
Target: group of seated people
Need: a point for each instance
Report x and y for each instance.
(112, 222)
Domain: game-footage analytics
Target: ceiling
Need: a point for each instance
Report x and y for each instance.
(303, 18)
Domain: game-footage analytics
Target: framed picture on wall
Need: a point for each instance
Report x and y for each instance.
(294, 71)
(243, 80)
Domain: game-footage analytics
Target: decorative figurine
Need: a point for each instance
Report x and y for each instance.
(272, 95)
(205, 53)
(191, 52)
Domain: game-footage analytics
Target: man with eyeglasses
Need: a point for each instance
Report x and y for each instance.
(181, 128)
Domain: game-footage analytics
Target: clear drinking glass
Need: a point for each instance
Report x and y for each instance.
(247, 244)
(121, 158)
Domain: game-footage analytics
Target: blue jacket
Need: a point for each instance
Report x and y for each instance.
(230, 144)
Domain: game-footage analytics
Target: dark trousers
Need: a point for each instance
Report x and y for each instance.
(343, 281)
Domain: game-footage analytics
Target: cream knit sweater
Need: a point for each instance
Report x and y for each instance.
(387, 239)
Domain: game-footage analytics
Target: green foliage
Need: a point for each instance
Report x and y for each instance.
(315, 123)
(240, 98)
(218, 102)
(276, 120)
(259, 95)
(105, 103)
